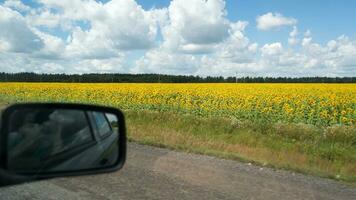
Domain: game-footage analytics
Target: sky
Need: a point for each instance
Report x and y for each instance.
(291, 38)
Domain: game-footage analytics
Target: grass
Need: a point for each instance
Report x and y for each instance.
(321, 151)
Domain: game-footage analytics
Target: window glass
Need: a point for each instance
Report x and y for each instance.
(102, 124)
(112, 120)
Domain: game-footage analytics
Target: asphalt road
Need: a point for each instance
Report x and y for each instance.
(155, 173)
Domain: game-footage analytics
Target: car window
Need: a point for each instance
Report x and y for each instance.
(102, 125)
(112, 120)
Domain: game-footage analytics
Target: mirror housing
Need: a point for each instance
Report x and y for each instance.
(54, 125)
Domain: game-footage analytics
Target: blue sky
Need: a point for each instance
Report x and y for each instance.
(199, 37)
(327, 19)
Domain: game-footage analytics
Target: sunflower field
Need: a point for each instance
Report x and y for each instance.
(318, 104)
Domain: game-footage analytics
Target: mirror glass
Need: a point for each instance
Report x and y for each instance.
(41, 140)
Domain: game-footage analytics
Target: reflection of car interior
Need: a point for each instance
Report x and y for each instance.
(58, 139)
(75, 129)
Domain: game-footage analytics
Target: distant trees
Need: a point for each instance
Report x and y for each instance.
(155, 78)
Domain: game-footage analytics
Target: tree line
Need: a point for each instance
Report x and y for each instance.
(161, 78)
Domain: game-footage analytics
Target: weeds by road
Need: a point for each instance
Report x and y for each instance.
(327, 152)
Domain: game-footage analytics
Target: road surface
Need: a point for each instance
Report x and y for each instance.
(155, 173)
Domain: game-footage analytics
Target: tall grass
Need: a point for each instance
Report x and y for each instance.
(328, 152)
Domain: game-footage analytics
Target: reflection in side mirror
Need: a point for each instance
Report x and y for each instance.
(50, 140)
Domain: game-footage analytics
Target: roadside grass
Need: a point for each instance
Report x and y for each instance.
(321, 151)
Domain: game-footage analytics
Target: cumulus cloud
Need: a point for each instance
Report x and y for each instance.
(163, 62)
(15, 34)
(44, 17)
(17, 5)
(52, 48)
(136, 29)
(237, 48)
(272, 49)
(307, 38)
(108, 65)
(337, 58)
(293, 40)
(195, 27)
(10, 62)
(191, 31)
(194, 37)
(114, 26)
(89, 44)
(234, 53)
(270, 21)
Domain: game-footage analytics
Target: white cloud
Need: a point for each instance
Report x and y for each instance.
(195, 27)
(293, 40)
(274, 20)
(44, 17)
(191, 30)
(53, 46)
(337, 58)
(225, 67)
(50, 67)
(194, 37)
(111, 28)
(234, 53)
(100, 65)
(17, 5)
(163, 62)
(272, 49)
(89, 44)
(135, 28)
(237, 48)
(306, 41)
(15, 34)
(343, 52)
(77, 10)
(10, 62)
(307, 33)
(307, 38)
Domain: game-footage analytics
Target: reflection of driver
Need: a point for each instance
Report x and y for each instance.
(30, 141)
(73, 128)
(40, 134)
(36, 135)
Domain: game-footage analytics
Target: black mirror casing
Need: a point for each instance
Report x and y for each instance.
(8, 177)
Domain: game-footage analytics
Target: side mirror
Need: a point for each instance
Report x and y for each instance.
(39, 141)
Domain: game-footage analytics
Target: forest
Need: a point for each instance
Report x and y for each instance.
(161, 78)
